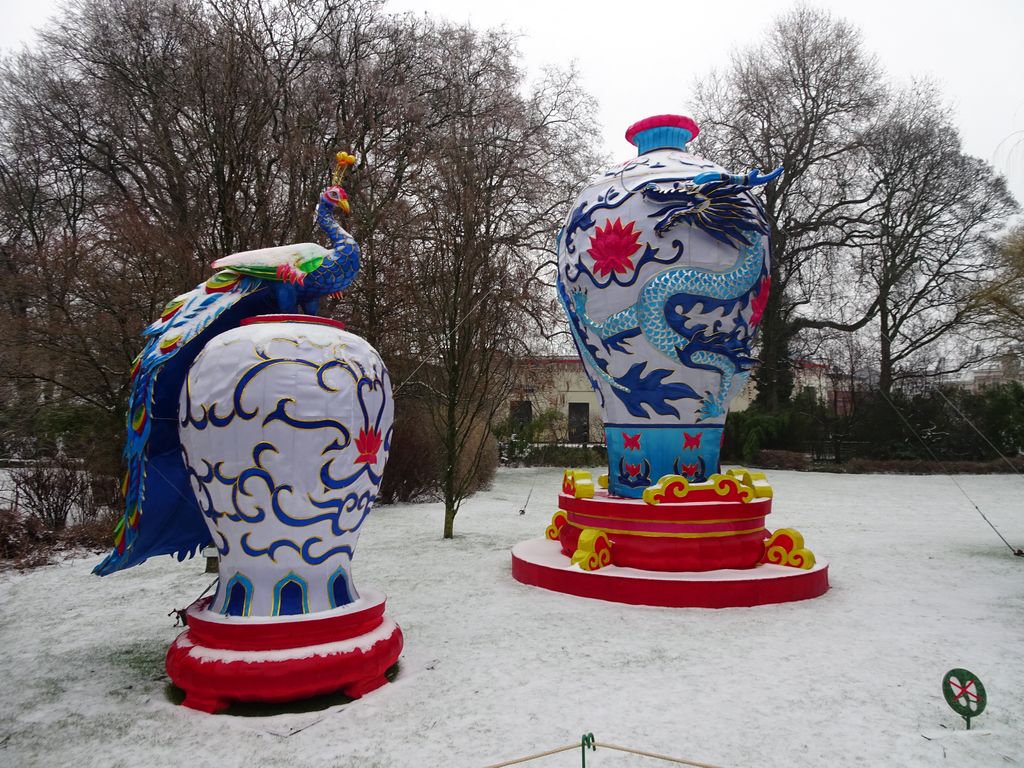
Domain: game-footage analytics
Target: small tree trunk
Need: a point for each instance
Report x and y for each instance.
(773, 376)
(451, 456)
(885, 354)
(449, 519)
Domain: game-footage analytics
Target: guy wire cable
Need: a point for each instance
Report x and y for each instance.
(465, 317)
(1017, 552)
(970, 423)
(981, 434)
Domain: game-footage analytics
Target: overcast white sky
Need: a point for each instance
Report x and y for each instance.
(640, 59)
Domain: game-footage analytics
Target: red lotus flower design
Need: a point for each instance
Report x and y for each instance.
(611, 247)
(368, 444)
(633, 470)
(760, 301)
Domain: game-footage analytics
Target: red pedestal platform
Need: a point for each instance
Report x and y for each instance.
(220, 659)
(541, 563)
(710, 529)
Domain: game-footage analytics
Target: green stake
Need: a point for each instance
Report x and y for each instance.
(586, 741)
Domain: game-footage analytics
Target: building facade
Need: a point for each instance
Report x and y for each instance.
(554, 393)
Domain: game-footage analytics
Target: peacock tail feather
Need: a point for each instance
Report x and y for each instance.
(161, 515)
(222, 281)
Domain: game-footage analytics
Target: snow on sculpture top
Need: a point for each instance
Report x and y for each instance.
(663, 273)
(161, 514)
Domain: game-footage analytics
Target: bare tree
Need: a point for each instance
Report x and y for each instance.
(144, 138)
(932, 222)
(802, 99)
(1001, 299)
(53, 490)
(879, 216)
(502, 168)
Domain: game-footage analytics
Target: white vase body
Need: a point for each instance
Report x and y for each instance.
(664, 280)
(285, 427)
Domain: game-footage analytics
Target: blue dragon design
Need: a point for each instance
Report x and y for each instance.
(664, 312)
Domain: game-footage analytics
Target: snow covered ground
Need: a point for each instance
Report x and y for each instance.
(493, 669)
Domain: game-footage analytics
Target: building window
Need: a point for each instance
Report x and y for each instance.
(290, 596)
(521, 413)
(238, 596)
(579, 422)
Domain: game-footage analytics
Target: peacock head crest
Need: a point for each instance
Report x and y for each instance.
(334, 195)
(342, 162)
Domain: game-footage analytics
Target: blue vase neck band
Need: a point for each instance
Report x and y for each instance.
(664, 137)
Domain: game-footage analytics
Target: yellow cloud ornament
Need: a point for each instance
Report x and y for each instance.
(786, 547)
(593, 551)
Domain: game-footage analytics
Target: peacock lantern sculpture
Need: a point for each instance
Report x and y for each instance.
(264, 432)
(664, 276)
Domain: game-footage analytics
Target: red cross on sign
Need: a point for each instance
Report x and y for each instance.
(964, 691)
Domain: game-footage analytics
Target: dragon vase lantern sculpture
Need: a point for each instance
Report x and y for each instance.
(265, 433)
(664, 275)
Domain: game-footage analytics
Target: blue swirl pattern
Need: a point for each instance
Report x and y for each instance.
(344, 515)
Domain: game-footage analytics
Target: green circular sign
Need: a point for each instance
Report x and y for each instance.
(964, 693)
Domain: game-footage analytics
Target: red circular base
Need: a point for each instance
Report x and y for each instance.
(218, 659)
(540, 563)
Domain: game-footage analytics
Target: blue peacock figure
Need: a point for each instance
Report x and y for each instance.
(161, 514)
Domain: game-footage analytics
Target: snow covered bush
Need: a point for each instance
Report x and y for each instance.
(20, 536)
(50, 490)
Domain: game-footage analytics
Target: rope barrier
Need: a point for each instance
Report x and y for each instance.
(535, 756)
(655, 755)
(588, 741)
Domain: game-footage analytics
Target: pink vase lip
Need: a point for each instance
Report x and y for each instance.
(312, 319)
(662, 121)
